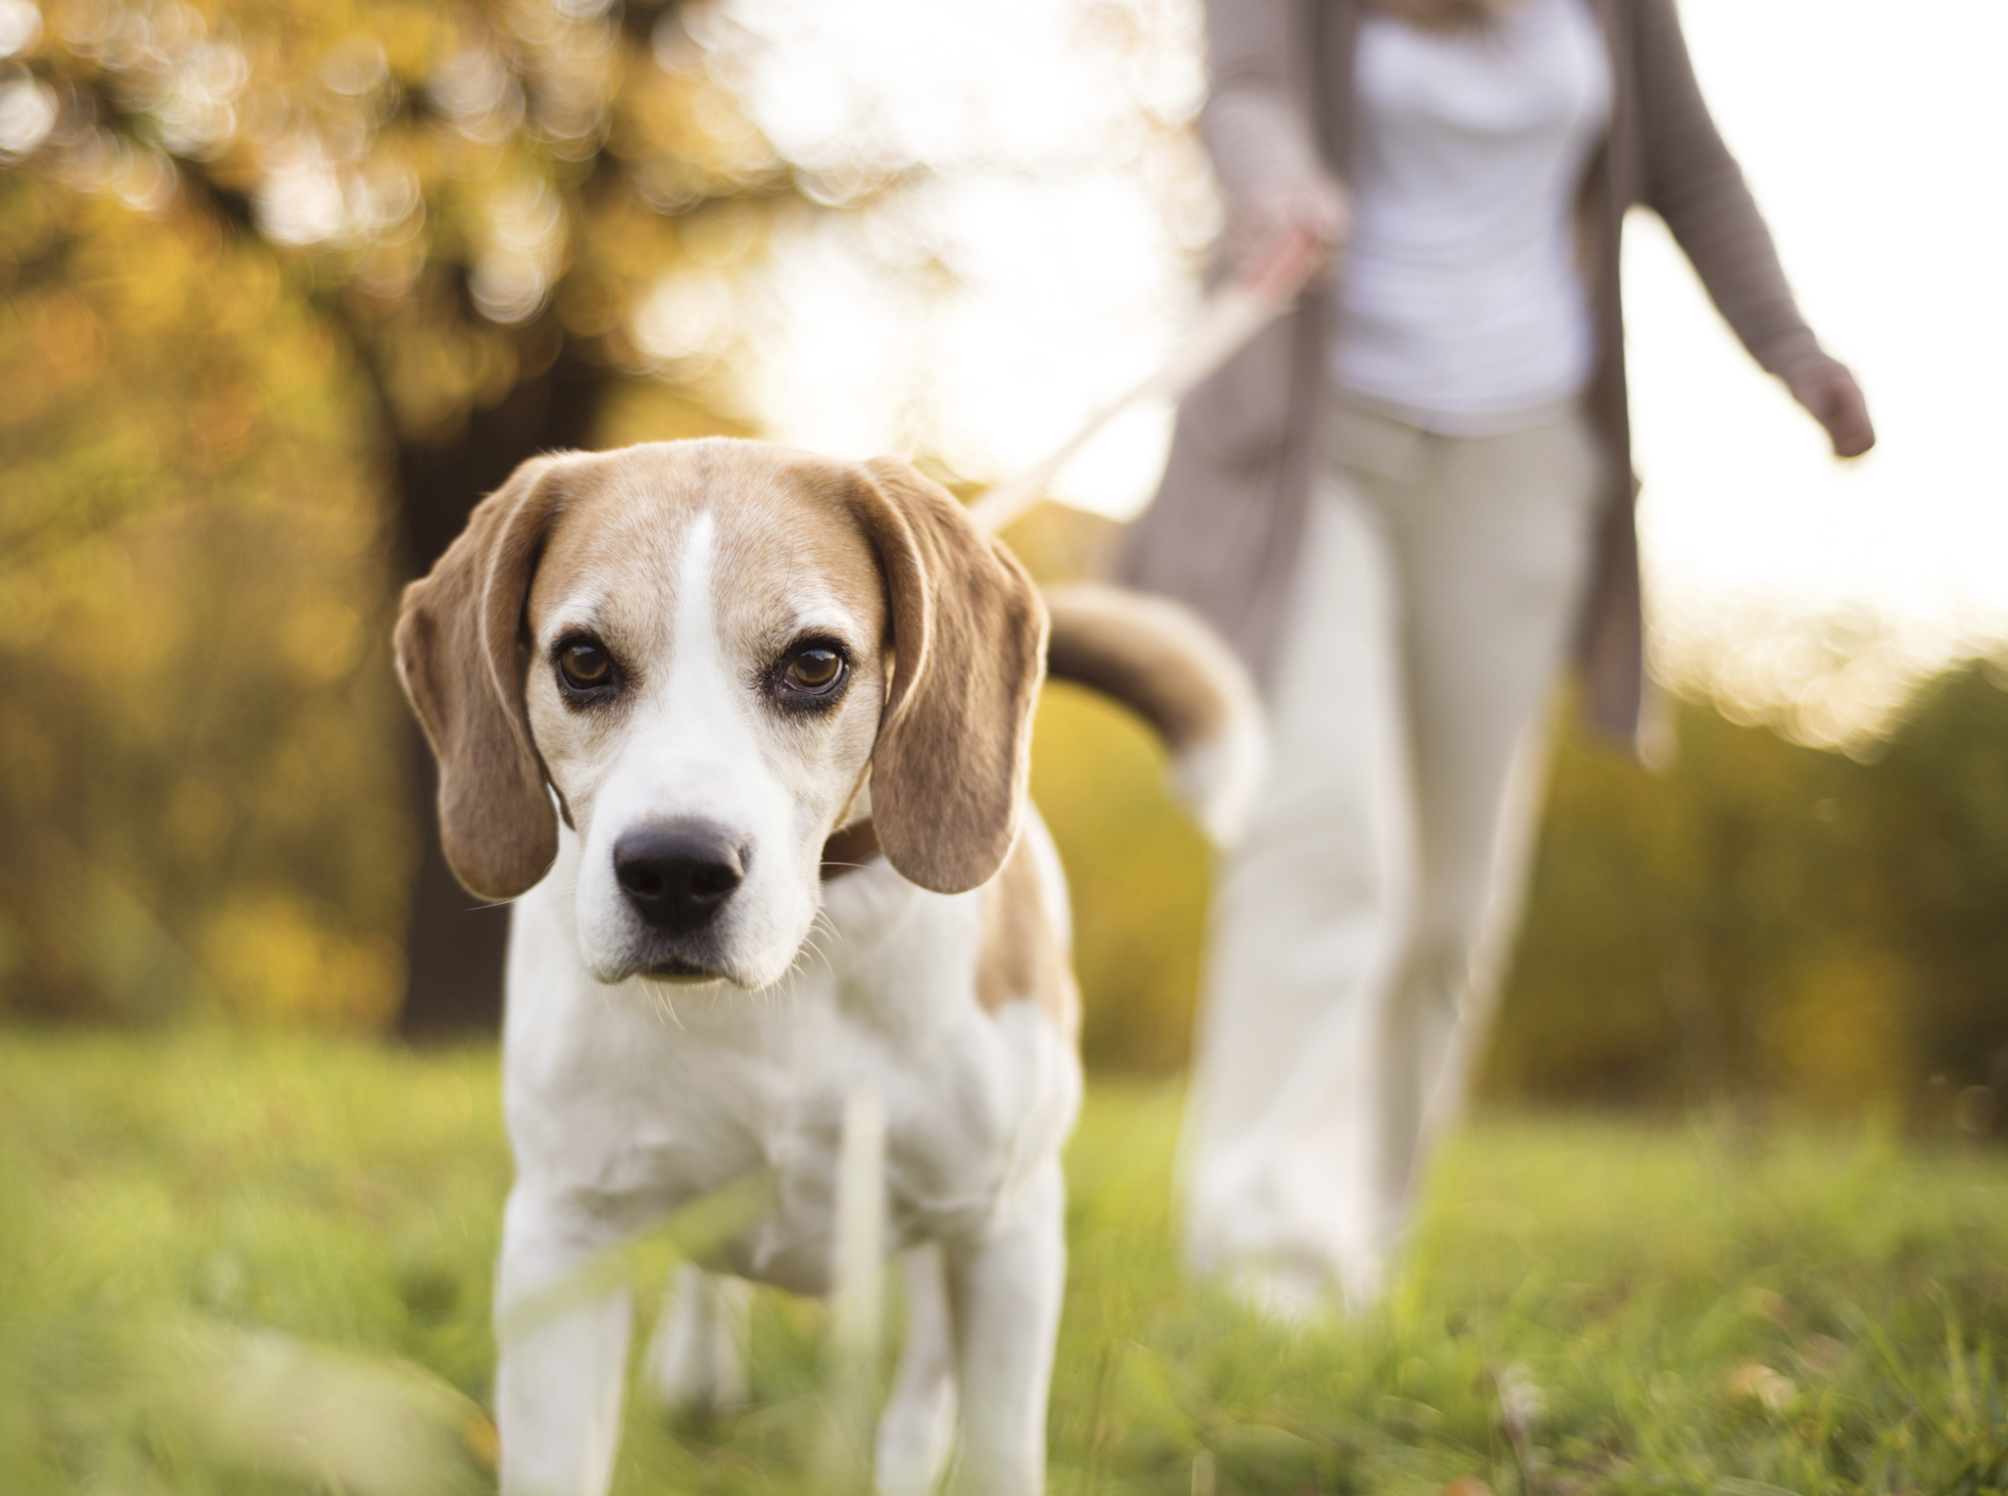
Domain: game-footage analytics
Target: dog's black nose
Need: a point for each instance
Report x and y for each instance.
(678, 876)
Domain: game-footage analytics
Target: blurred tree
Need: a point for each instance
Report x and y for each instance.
(502, 211)
(194, 720)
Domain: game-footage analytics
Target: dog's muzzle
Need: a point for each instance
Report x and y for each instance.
(676, 877)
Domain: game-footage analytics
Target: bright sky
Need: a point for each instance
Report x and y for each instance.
(1052, 263)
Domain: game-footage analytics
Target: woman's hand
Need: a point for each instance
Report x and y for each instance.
(1830, 394)
(1315, 208)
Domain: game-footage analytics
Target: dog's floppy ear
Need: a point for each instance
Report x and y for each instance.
(458, 656)
(969, 648)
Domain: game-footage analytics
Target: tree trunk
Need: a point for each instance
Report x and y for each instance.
(454, 945)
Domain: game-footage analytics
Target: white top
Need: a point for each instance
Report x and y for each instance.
(1461, 306)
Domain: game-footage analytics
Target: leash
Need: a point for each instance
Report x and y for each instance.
(1242, 307)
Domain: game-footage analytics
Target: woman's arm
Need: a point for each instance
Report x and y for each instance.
(1694, 184)
(1259, 132)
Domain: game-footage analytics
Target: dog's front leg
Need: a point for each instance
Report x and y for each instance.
(1004, 1292)
(916, 1432)
(563, 1350)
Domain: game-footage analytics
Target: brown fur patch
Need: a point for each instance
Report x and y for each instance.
(949, 772)
(457, 656)
(1020, 959)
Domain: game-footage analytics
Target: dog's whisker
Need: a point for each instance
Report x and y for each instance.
(665, 1006)
(808, 948)
(822, 921)
(824, 956)
(820, 954)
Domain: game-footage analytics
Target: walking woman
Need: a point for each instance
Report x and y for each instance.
(1407, 503)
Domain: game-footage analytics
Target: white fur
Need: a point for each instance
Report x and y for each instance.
(628, 1097)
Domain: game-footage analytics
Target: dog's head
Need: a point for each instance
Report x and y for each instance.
(699, 654)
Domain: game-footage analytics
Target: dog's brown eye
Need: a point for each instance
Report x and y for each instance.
(814, 669)
(585, 665)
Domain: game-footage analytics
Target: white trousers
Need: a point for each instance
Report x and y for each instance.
(1359, 929)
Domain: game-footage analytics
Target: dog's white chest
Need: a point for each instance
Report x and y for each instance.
(641, 1098)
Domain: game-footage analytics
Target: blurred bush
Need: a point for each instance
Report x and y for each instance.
(1770, 920)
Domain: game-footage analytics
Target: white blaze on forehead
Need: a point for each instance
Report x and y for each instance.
(695, 617)
(702, 735)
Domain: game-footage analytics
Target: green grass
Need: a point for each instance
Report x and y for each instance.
(1668, 1308)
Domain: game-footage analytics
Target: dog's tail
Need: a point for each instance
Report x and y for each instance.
(1164, 663)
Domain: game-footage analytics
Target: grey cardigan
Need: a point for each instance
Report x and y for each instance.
(1223, 532)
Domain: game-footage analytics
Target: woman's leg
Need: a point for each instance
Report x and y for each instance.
(1305, 930)
(1492, 545)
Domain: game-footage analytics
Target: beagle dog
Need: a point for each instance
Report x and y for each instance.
(743, 733)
